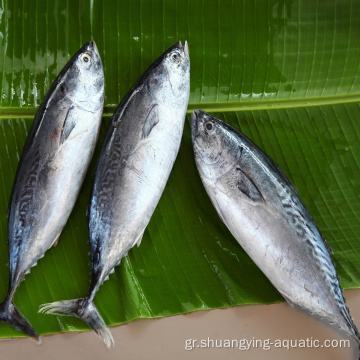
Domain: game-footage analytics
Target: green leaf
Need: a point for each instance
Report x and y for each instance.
(286, 73)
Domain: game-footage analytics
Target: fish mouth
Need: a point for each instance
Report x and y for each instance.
(94, 47)
(186, 48)
(93, 43)
(90, 46)
(194, 125)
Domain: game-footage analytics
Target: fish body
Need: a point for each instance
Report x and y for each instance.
(264, 212)
(138, 153)
(53, 165)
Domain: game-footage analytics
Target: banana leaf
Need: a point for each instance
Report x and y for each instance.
(284, 72)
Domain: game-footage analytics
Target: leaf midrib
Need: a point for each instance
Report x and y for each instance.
(29, 112)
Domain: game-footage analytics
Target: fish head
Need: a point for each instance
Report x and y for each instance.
(169, 76)
(83, 82)
(216, 151)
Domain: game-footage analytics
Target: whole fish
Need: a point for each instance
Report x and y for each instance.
(53, 164)
(137, 155)
(263, 211)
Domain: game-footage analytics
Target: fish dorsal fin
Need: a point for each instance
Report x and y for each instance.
(68, 126)
(151, 120)
(280, 173)
(270, 163)
(123, 106)
(247, 186)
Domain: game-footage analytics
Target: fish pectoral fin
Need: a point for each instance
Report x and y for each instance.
(151, 120)
(68, 126)
(121, 110)
(248, 187)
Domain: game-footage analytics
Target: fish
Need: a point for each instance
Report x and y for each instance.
(52, 167)
(264, 212)
(137, 155)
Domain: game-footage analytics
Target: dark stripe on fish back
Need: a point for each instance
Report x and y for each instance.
(311, 237)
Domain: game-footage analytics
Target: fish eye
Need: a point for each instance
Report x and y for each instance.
(85, 58)
(175, 58)
(209, 126)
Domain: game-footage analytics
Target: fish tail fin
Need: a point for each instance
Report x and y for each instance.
(84, 310)
(11, 315)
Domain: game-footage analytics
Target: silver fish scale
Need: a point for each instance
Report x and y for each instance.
(110, 177)
(263, 211)
(147, 125)
(52, 167)
(28, 192)
(136, 158)
(315, 248)
(307, 230)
